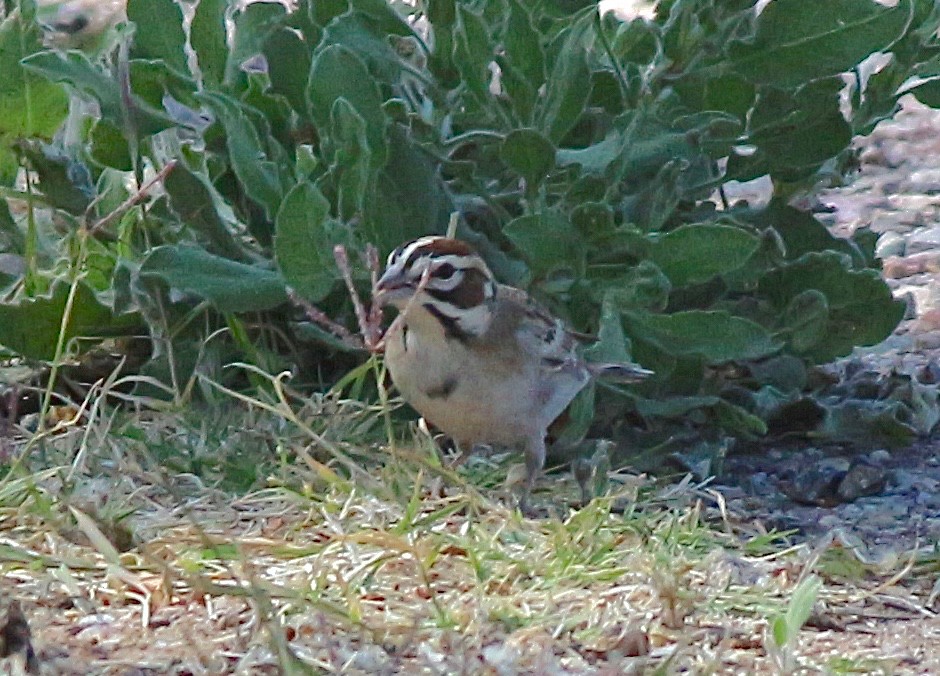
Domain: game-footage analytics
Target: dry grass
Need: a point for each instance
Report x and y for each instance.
(278, 537)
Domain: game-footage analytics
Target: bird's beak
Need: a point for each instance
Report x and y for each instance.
(392, 289)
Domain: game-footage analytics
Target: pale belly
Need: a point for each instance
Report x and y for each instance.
(473, 400)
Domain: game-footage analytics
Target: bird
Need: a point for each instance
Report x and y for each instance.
(482, 361)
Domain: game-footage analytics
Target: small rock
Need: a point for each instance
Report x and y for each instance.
(890, 244)
(930, 300)
(929, 373)
(12, 265)
(830, 521)
(880, 456)
(834, 465)
(925, 181)
(874, 155)
(913, 296)
(862, 480)
(927, 239)
(903, 480)
(929, 320)
(928, 341)
(889, 223)
(895, 267)
(814, 485)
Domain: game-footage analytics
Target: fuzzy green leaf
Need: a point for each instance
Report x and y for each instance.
(195, 205)
(569, 84)
(304, 241)
(29, 105)
(288, 67)
(337, 72)
(75, 69)
(529, 154)
(693, 254)
(30, 327)
(208, 36)
(229, 285)
(798, 41)
(716, 335)
(258, 174)
(862, 310)
(159, 32)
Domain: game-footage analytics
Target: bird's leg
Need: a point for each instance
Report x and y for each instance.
(534, 461)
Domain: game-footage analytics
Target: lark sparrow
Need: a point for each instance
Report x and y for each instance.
(480, 360)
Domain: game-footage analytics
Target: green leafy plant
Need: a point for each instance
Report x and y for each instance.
(585, 155)
(785, 628)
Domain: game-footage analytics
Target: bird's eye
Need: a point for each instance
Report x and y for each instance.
(444, 271)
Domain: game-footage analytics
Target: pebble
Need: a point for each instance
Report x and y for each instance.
(927, 239)
(896, 267)
(890, 244)
(929, 320)
(925, 181)
(927, 341)
(879, 456)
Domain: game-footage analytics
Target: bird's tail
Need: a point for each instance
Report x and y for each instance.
(620, 373)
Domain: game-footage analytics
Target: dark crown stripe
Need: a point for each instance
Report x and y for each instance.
(439, 246)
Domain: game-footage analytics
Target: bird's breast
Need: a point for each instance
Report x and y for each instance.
(475, 395)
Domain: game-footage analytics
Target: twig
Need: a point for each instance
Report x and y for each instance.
(318, 316)
(133, 200)
(342, 262)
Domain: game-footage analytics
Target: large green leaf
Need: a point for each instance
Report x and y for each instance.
(74, 68)
(159, 32)
(208, 37)
(368, 36)
(29, 105)
(548, 241)
(304, 241)
(523, 64)
(258, 174)
(337, 72)
(64, 182)
(802, 233)
(473, 53)
(717, 336)
(595, 158)
(693, 254)
(797, 41)
(529, 154)
(30, 326)
(569, 84)
(253, 24)
(351, 166)
(288, 67)
(794, 132)
(861, 309)
(407, 199)
(195, 204)
(109, 147)
(229, 285)
(805, 318)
